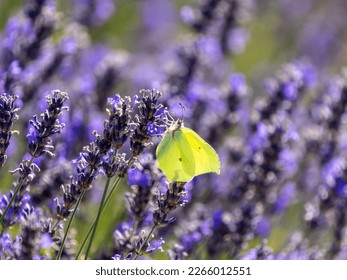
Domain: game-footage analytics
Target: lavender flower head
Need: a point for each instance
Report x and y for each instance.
(41, 131)
(8, 114)
(149, 120)
(92, 12)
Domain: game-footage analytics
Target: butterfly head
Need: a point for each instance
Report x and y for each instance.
(176, 125)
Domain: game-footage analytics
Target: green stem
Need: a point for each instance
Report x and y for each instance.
(69, 225)
(13, 198)
(95, 224)
(55, 225)
(114, 187)
(138, 253)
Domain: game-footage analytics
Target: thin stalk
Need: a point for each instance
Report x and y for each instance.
(69, 225)
(13, 197)
(55, 225)
(114, 187)
(95, 224)
(143, 244)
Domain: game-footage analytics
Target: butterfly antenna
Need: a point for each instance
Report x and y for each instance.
(183, 110)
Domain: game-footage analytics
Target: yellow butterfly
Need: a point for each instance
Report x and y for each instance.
(183, 154)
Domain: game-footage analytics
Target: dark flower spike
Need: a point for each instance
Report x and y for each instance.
(166, 203)
(71, 193)
(39, 136)
(116, 132)
(114, 164)
(10, 79)
(150, 118)
(8, 114)
(39, 144)
(143, 179)
(42, 15)
(116, 128)
(27, 35)
(95, 156)
(33, 8)
(31, 236)
(9, 249)
(200, 18)
(92, 12)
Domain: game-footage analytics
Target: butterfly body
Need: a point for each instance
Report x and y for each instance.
(183, 154)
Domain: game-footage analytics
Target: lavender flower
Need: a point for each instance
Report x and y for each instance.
(117, 129)
(8, 114)
(39, 144)
(10, 79)
(143, 181)
(200, 18)
(149, 120)
(9, 248)
(169, 202)
(39, 136)
(91, 12)
(31, 237)
(30, 33)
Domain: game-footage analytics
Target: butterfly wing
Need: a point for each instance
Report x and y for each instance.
(205, 157)
(175, 157)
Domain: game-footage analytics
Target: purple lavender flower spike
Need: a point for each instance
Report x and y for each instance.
(166, 203)
(143, 179)
(114, 164)
(150, 115)
(117, 129)
(33, 31)
(92, 12)
(39, 136)
(39, 144)
(10, 79)
(9, 249)
(31, 237)
(200, 18)
(8, 114)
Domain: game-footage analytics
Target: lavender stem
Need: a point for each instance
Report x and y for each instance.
(95, 224)
(114, 187)
(69, 225)
(13, 198)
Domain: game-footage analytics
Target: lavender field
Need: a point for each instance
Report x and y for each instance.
(88, 89)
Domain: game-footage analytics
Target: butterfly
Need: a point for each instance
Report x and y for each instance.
(182, 154)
